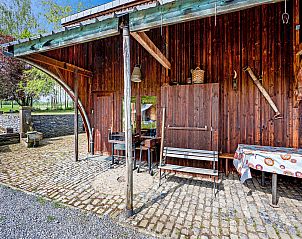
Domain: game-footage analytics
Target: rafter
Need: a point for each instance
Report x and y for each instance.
(58, 64)
(146, 42)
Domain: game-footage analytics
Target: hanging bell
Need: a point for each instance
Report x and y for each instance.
(136, 74)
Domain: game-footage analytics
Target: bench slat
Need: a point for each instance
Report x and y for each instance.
(183, 156)
(184, 169)
(191, 150)
(191, 153)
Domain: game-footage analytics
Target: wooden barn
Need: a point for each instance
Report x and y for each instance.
(228, 40)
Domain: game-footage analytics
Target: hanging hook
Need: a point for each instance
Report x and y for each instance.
(215, 13)
(285, 15)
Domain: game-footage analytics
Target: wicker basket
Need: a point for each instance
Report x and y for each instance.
(197, 76)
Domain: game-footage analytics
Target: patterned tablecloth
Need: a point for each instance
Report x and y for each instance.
(279, 160)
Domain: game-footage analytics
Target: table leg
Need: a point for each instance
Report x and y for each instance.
(262, 179)
(274, 190)
(227, 167)
(140, 159)
(134, 155)
(112, 154)
(151, 160)
(149, 156)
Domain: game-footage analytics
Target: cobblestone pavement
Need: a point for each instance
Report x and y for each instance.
(182, 207)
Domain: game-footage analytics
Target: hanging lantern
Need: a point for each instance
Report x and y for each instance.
(136, 74)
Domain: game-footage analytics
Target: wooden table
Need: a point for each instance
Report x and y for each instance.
(274, 160)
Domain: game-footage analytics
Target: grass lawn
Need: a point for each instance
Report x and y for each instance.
(52, 112)
(39, 109)
(7, 108)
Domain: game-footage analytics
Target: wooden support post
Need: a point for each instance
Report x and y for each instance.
(127, 115)
(274, 190)
(298, 83)
(163, 119)
(138, 110)
(76, 119)
(262, 178)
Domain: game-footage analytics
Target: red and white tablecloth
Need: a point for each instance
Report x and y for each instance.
(279, 160)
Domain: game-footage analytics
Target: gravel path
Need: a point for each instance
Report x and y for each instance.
(26, 216)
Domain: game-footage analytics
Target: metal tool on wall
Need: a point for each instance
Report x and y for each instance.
(264, 92)
(285, 15)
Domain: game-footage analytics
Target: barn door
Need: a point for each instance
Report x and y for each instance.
(103, 121)
(191, 112)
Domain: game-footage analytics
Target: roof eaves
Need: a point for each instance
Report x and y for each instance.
(109, 6)
(65, 36)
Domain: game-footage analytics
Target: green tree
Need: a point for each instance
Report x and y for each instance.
(17, 18)
(55, 12)
(35, 84)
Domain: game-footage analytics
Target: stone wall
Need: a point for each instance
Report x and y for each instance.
(56, 125)
(10, 121)
(12, 138)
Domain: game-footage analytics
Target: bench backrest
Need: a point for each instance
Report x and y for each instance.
(194, 154)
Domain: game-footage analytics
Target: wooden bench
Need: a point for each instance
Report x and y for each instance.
(227, 157)
(192, 154)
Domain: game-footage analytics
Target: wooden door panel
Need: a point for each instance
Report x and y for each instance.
(103, 120)
(194, 106)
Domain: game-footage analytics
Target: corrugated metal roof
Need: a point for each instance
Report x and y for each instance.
(129, 5)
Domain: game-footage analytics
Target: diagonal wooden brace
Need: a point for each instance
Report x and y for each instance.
(264, 92)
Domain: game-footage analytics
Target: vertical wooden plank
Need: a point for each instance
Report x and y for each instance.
(296, 42)
(265, 67)
(257, 66)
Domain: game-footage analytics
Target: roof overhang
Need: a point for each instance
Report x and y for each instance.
(187, 10)
(161, 15)
(90, 31)
(117, 7)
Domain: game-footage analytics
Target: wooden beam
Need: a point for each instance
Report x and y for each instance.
(127, 115)
(146, 42)
(76, 117)
(299, 50)
(183, 11)
(70, 36)
(59, 64)
(297, 88)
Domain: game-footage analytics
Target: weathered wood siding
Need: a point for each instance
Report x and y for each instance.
(254, 37)
(199, 109)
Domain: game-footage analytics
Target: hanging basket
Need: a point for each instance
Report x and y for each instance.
(197, 76)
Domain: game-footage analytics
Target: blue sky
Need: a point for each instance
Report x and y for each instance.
(86, 3)
(38, 9)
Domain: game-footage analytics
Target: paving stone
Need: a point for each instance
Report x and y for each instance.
(159, 226)
(169, 225)
(181, 208)
(143, 223)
